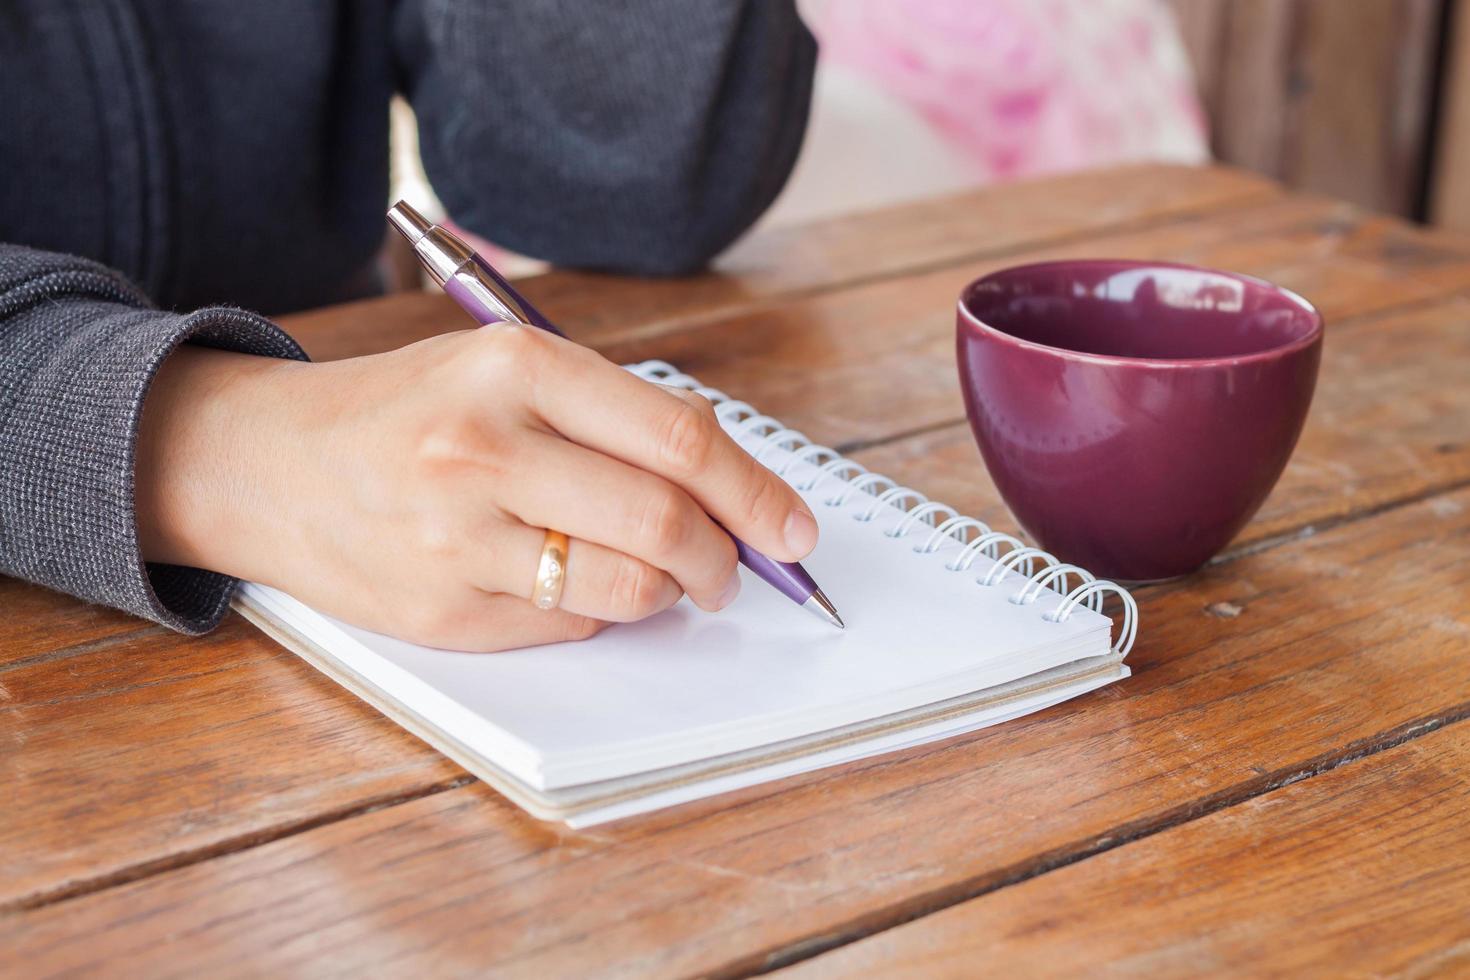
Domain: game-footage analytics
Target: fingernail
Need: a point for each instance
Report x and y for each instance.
(801, 533)
(731, 591)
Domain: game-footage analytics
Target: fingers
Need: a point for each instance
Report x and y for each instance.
(600, 583)
(484, 623)
(593, 498)
(738, 490)
(676, 436)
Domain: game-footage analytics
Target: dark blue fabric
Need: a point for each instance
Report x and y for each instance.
(208, 152)
(216, 151)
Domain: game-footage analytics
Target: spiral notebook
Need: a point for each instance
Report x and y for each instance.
(951, 626)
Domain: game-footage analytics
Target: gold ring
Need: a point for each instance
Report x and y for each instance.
(551, 572)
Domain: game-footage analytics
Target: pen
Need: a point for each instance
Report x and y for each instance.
(484, 294)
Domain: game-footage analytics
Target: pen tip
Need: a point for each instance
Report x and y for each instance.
(822, 606)
(409, 223)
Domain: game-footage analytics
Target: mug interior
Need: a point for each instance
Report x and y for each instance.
(1140, 310)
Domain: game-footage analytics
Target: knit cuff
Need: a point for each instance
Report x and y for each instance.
(77, 373)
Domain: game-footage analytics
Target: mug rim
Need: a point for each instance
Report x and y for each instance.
(1310, 338)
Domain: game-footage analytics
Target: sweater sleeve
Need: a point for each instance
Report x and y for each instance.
(79, 347)
(639, 137)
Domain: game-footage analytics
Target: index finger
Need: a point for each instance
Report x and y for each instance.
(676, 435)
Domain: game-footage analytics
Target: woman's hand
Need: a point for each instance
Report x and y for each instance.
(408, 492)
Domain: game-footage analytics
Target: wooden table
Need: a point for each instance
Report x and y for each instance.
(1283, 783)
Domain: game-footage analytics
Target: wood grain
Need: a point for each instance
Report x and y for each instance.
(214, 805)
(907, 238)
(834, 365)
(1250, 121)
(1202, 25)
(871, 363)
(1367, 442)
(1329, 97)
(1340, 643)
(762, 268)
(1358, 871)
(381, 324)
(1350, 262)
(39, 623)
(132, 755)
(1346, 260)
(1360, 99)
(882, 354)
(1450, 190)
(838, 252)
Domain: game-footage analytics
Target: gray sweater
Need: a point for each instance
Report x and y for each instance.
(225, 156)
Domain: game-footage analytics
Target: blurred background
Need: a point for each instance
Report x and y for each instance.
(1364, 100)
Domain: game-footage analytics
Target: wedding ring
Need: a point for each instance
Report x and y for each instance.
(551, 572)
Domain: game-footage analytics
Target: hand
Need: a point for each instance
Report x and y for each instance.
(407, 492)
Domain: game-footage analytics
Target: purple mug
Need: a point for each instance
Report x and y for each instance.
(1134, 415)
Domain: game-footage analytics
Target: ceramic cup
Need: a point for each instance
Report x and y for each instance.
(1134, 415)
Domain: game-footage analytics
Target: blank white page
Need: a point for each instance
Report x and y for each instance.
(687, 685)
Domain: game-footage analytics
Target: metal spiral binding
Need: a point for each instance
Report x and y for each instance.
(915, 511)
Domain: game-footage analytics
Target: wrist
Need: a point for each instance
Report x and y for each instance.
(211, 461)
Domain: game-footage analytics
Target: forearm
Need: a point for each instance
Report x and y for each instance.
(210, 460)
(79, 349)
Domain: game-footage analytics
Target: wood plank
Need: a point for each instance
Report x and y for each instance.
(178, 836)
(874, 362)
(1450, 190)
(1249, 126)
(765, 266)
(1359, 100)
(1357, 262)
(1221, 709)
(1348, 262)
(852, 249)
(1202, 27)
(899, 240)
(1351, 263)
(1400, 379)
(38, 622)
(1365, 444)
(1330, 97)
(1364, 865)
(122, 758)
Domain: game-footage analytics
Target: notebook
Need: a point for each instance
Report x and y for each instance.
(951, 626)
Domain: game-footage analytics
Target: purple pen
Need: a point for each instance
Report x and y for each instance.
(484, 294)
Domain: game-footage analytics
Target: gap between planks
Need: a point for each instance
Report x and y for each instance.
(683, 322)
(898, 915)
(1032, 867)
(851, 446)
(678, 324)
(1073, 853)
(89, 646)
(183, 859)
